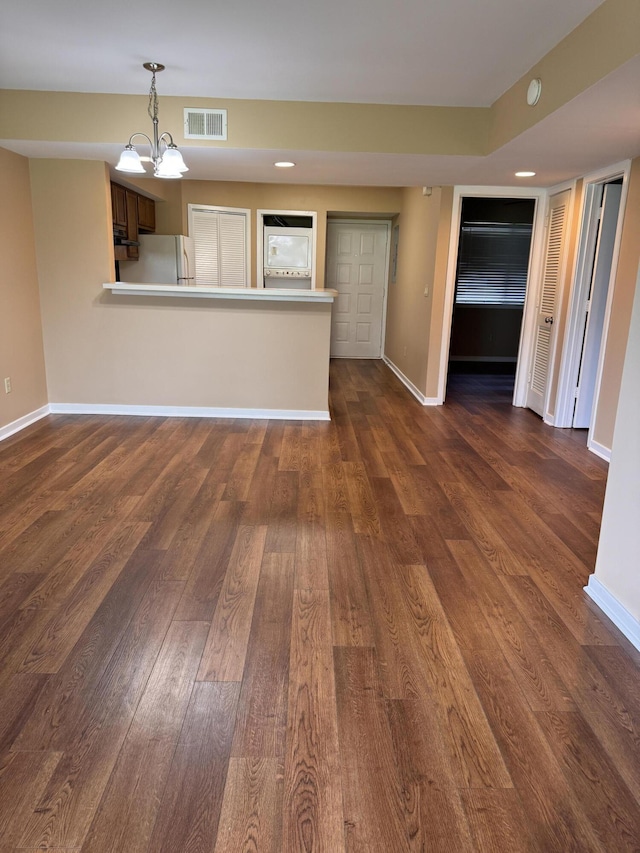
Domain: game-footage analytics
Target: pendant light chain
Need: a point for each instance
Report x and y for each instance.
(152, 109)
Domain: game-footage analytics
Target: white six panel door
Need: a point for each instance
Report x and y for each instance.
(357, 269)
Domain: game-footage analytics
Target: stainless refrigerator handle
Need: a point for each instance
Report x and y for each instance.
(186, 268)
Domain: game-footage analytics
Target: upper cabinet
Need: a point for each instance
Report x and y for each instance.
(132, 213)
(146, 214)
(132, 226)
(119, 206)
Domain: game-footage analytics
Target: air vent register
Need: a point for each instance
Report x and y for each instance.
(205, 124)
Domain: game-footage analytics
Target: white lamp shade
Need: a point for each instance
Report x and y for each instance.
(130, 161)
(171, 163)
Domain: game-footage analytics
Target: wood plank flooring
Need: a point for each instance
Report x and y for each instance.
(364, 635)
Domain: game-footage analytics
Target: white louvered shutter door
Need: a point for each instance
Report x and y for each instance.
(233, 250)
(205, 226)
(543, 350)
(221, 246)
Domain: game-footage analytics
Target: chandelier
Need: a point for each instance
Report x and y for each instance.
(165, 156)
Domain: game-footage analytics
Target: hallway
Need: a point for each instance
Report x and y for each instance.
(363, 635)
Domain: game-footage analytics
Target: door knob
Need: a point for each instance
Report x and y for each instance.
(549, 320)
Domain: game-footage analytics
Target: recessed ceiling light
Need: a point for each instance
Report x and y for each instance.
(284, 164)
(525, 174)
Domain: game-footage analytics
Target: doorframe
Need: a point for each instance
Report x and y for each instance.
(260, 215)
(568, 262)
(570, 360)
(539, 196)
(387, 258)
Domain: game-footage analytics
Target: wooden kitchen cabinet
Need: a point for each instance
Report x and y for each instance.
(132, 225)
(119, 206)
(146, 214)
(132, 213)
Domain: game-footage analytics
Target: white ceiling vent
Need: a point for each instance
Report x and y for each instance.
(205, 124)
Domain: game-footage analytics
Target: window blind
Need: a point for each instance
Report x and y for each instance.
(493, 262)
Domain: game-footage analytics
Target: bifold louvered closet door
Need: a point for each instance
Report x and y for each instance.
(550, 290)
(221, 241)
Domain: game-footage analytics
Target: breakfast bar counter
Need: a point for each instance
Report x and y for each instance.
(205, 352)
(259, 294)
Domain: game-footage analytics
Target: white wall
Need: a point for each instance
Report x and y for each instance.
(615, 586)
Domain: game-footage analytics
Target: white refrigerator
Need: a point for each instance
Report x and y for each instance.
(163, 259)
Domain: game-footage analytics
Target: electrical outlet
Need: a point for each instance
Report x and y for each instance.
(7, 385)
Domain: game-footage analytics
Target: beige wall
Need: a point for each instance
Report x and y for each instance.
(624, 288)
(74, 245)
(407, 342)
(105, 349)
(382, 201)
(268, 125)
(437, 330)
(608, 38)
(21, 350)
(619, 547)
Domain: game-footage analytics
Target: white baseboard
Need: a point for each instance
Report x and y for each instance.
(426, 401)
(188, 412)
(24, 421)
(600, 450)
(618, 614)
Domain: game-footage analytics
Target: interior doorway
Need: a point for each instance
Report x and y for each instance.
(549, 299)
(537, 196)
(289, 238)
(494, 249)
(592, 319)
(590, 301)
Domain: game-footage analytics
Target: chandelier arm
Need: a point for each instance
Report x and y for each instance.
(140, 134)
(162, 139)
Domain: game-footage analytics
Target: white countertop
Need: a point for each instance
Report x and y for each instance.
(255, 293)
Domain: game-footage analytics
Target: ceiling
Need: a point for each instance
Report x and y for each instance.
(432, 52)
(421, 52)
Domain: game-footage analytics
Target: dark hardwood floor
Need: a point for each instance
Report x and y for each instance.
(364, 635)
